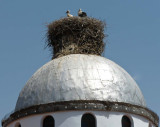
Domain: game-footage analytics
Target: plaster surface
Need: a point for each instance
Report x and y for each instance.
(73, 119)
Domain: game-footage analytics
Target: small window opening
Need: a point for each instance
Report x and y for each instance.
(88, 120)
(48, 121)
(18, 125)
(126, 122)
(150, 125)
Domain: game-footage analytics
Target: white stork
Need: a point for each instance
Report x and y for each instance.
(81, 13)
(68, 14)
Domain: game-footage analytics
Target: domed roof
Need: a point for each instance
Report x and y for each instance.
(80, 77)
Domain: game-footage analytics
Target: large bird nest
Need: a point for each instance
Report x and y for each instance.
(76, 35)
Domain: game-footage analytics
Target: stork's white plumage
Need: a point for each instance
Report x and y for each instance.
(68, 14)
(81, 13)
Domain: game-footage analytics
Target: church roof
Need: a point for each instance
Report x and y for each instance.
(80, 77)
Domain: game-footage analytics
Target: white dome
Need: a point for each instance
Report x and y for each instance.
(80, 77)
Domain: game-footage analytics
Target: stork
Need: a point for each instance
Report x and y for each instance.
(81, 13)
(68, 14)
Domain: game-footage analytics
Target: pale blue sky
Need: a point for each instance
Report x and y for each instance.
(133, 27)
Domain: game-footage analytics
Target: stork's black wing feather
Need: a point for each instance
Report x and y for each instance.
(84, 14)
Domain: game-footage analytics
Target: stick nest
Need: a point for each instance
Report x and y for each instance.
(76, 35)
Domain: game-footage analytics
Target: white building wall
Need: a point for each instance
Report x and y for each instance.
(140, 121)
(73, 119)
